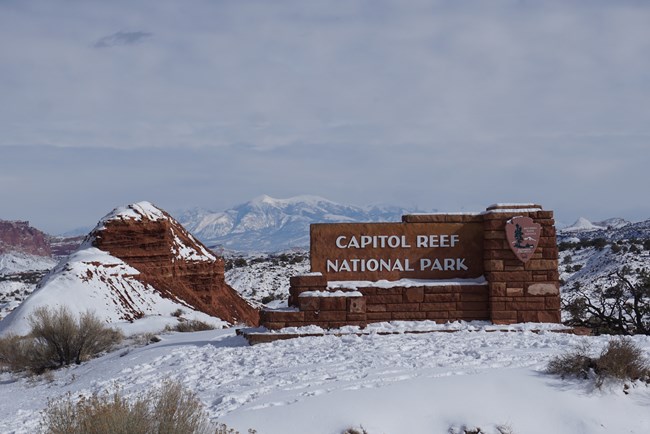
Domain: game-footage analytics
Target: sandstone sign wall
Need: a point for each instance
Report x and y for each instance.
(441, 267)
(392, 251)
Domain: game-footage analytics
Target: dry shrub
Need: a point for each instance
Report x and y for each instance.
(169, 409)
(355, 430)
(621, 359)
(19, 353)
(57, 338)
(192, 325)
(576, 363)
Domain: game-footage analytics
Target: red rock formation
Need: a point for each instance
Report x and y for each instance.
(63, 246)
(20, 236)
(172, 261)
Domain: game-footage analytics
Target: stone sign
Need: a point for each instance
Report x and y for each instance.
(393, 251)
(500, 265)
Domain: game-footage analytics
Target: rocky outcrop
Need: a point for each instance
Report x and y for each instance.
(19, 236)
(63, 246)
(171, 260)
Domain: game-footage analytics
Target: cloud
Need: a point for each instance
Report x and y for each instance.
(440, 103)
(122, 38)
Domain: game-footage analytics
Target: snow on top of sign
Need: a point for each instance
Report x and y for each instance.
(511, 210)
(312, 273)
(447, 213)
(338, 293)
(406, 283)
(527, 205)
(498, 207)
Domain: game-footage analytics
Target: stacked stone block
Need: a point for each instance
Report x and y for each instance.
(514, 292)
(440, 303)
(521, 292)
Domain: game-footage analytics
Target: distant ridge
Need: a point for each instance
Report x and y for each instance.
(267, 224)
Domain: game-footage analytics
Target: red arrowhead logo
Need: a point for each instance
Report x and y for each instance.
(523, 236)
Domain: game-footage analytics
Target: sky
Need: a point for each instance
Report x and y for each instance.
(449, 105)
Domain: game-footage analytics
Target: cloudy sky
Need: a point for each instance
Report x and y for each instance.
(446, 104)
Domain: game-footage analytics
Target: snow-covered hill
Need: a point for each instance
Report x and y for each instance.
(19, 275)
(265, 278)
(266, 224)
(91, 279)
(590, 260)
(611, 229)
(18, 262)
(403, 383)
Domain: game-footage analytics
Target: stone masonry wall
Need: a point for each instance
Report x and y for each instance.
(440, 303)
(514, 291)
(521, 292)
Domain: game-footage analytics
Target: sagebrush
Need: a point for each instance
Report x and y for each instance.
(192, 325)
(169, 409)
(57, 338)
(621, 359)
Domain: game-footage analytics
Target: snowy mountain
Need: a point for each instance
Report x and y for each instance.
(266, 224)
(583, 225)
(613, 229)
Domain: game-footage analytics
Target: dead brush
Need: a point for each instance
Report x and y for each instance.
(621, 359)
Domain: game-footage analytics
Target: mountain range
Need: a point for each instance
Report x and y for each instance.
(613, 229)
(266, 224)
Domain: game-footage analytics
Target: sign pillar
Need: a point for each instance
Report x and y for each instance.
(521, 291)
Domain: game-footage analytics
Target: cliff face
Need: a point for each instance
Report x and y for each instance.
(20, 236)
(171, 260)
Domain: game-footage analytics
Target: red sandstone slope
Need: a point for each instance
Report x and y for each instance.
(19, 236)
(171, 260)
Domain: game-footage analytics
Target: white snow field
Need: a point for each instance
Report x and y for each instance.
(403, 383)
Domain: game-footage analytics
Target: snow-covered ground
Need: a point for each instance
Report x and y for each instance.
(19, 275)
(265, 278)
(18, 262)
(405, 383)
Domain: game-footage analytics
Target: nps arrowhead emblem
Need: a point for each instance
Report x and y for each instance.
(523, 236)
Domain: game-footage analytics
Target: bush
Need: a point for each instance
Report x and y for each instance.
(576, 363)
(57, 338)
(170, 409)
(619, 308)
(240, 262)
(192, 325)
(269, 298)
(599, 243)
(20, 353)
(355, 430)
(621, 359)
